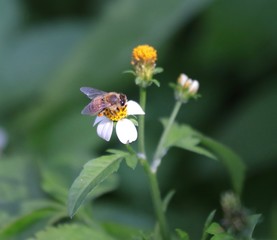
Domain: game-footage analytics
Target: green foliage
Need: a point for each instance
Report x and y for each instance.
(48, 51)
(182, 234)
(121, 231)
(252, 221)
(167, 199)
(207, 225)
(183, 136)
(231, 160)
(71, 232)
(94, 172)
(218, 232)
(30, 222)
(215, 229)
(131, 159)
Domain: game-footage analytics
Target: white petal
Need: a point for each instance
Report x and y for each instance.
(194, 87)
(105, 129)
(182, 79)
(126, 131)
(98, 119)
(133, 108)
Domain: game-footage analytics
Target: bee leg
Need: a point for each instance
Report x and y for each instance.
(101, 114)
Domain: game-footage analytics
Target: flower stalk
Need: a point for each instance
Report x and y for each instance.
(141, 139)
(160, 151)
(156, 199)
(152, 177)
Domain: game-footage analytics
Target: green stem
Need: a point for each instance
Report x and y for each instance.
(154, 187)
(160, 151)
(141, 141)
(157, 201)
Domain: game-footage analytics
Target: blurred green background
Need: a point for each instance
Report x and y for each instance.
(49, 49)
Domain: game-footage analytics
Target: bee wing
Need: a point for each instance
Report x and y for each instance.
(87, 110)
(95, 108)
(91, 92)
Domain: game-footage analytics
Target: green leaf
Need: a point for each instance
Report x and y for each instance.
(71, 232)
(94, 172)
(231, 160)
(182, 234)
(214, 228)
(207, 224)
(52, 184)
(183, 136)
(110, 184)
(120, 231)
(156, 82)
(130, 71)
(131, 159)
(158, 70)
(167, 199)
(25, 225)
(252, 222)
(223, 236)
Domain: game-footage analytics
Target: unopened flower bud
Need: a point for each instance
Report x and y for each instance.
(193, 88)
(186, 88)
(182, 79)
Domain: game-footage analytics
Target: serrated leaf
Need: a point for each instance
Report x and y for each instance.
(94, 172)
(183, 136)
(110, 184)
(131, 159)
(71, 232)
(182, 234)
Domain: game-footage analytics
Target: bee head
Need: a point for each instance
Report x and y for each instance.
(123, 99)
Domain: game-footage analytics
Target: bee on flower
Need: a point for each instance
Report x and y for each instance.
(111, 109)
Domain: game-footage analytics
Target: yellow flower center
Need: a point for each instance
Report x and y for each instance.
(144, 54)
(115, 115)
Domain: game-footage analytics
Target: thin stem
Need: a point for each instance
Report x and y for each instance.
(157, 201)
(130, 149)
(141, 141)
(160, 151)
(154, 187)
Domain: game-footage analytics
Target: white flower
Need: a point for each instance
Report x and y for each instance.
(125, 128)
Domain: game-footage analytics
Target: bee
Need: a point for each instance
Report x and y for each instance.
(100, 101)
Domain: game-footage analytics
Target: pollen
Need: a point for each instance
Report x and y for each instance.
(144, 54)
(116, 115)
